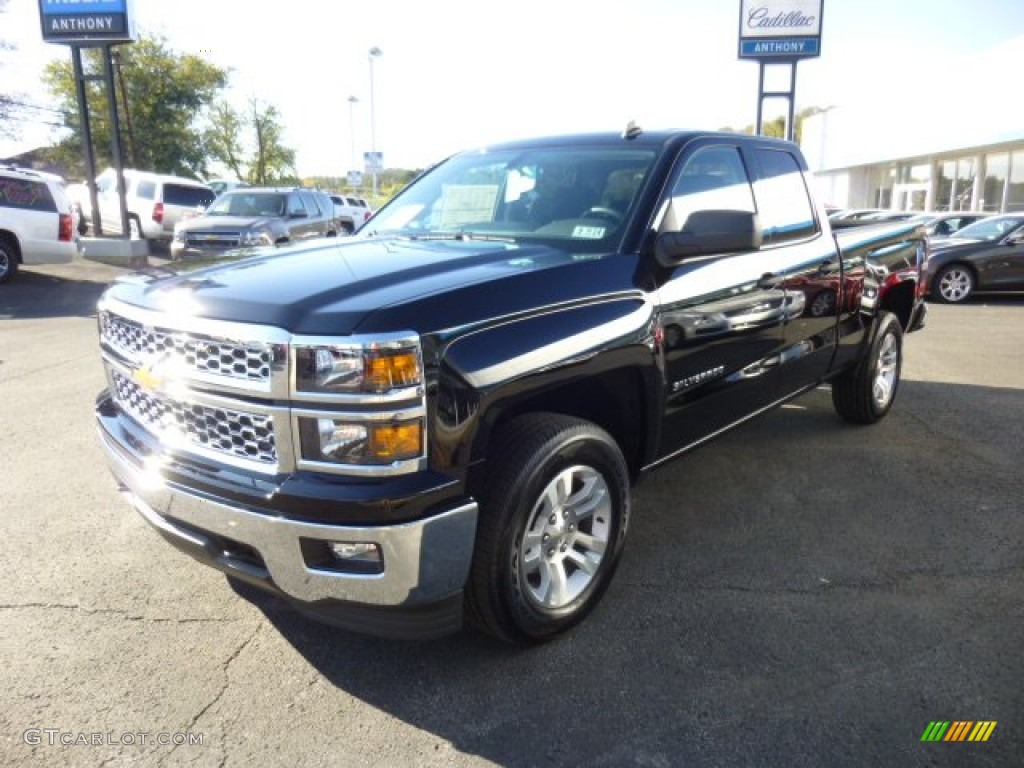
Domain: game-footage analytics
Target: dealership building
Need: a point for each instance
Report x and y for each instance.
(954, 142)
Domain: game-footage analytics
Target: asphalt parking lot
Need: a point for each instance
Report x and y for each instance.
(798, 593)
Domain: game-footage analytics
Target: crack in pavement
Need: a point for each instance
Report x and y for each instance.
(827, 585)
(225, 666)
(122, 612)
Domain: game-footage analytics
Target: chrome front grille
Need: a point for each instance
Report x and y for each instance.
(226, 391)
(216, 239)
(248, 361)
(229, 431)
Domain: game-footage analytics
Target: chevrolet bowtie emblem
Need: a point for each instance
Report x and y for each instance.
(146, 379)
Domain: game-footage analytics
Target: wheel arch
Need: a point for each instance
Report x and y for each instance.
(615, 400)
(900, 300)
(10, 237)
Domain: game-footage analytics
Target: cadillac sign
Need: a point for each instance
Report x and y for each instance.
(86, 21)
(780, 29)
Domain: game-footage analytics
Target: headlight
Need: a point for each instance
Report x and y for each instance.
(355, 369)
(337, 441)
(255, 237)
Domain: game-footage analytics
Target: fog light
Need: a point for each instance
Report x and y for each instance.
(357, 556)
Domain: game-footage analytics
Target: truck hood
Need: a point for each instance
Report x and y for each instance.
(337, 287)
(225, 222)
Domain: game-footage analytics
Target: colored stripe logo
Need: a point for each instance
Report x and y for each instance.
(958, 730)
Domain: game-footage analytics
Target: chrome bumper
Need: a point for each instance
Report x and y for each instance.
(425, 562)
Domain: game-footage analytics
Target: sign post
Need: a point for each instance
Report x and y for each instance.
(779, 33)
(93, 24)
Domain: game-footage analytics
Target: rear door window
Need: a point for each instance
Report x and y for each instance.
(187, 196)
(783, 203)
(146, 190)
(26, 194)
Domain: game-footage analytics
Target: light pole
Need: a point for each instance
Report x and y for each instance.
(352, 101)
(374, 53)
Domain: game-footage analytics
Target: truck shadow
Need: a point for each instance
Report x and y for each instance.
(37, 294)
(780, 602)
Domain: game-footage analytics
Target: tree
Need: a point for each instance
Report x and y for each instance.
(260, 157)
(6, 99)
(224, 138)
(163, 95)
(776, 128)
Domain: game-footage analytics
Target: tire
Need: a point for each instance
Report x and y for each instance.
(864, 394)
(553, 521)
(953, 284)
(8, 258)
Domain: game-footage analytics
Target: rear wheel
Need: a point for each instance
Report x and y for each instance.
(8, 258)
(953, 284)
(553, 521)
(135, 228)
(864, 394)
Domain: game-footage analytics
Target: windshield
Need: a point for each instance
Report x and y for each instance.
(248, 204)
(560, 196)
(991, 229)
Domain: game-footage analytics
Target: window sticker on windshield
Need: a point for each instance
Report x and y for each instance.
(462, 204)
(588, 233)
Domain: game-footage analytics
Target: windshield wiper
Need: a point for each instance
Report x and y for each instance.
(460, 236)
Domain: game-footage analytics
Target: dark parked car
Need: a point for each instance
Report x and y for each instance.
(985, 256)
(946, 224)
(255, 216)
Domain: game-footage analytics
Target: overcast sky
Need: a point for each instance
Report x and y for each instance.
(455, 74)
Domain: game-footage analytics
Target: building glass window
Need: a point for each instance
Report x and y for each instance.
(965, 172)
(996, 168)
(1015, 191)
(944, 186)
(915, 174)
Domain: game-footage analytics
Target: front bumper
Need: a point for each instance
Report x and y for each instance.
(425, 562)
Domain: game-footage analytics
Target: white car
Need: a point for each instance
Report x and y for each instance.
(36, 222)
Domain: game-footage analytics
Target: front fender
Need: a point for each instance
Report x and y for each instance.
(550, 359)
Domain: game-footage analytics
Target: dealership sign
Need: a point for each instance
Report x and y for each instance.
(86, 21)
(780, 29)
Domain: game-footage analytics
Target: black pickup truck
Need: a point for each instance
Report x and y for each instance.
(442, 417)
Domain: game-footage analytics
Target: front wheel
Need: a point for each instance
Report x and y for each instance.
(953, 284)
(864, 394)
(553, 520)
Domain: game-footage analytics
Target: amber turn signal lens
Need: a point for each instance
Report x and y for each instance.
(393, 442)
(385, 372)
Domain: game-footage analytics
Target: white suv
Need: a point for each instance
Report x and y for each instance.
(353, 212)
(156, 202)
(36, 225)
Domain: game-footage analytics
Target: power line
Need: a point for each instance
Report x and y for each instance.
(25, 105)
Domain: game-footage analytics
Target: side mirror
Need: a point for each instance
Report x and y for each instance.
(709, 232)
(1015, 238)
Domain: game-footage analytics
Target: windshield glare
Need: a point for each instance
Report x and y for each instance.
(249, 204)
(556, 195)
(990, 229)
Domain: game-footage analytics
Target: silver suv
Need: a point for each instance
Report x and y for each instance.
(36, 223)
(255, 216)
